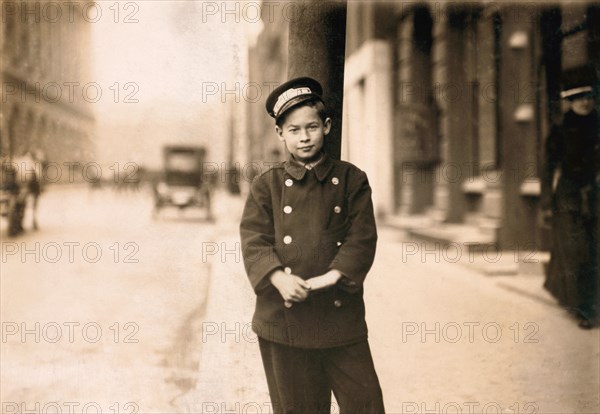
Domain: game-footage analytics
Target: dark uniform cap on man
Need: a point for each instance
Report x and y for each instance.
(579, 81)
(291, 93)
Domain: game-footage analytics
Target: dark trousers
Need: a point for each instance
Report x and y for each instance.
(301, 380)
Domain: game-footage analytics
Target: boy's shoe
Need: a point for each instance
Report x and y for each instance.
(589, 323)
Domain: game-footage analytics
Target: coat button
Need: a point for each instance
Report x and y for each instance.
(337, 303)
(287, 209)
(287, 239)
(289, 182)
(287, 270)
(338, 243)
(335, 181)
(337, 209)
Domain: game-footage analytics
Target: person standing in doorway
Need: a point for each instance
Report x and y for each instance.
(570, 185)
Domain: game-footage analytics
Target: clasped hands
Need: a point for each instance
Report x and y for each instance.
(293, 288)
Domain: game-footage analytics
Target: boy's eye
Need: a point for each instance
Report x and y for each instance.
(293, 130)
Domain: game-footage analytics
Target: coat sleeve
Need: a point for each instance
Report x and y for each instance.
(551, 161)
(258, 235)
(355, 256)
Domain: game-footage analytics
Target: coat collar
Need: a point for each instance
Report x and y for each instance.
(297, 170)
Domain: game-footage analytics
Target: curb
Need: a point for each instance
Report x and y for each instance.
(230, 372)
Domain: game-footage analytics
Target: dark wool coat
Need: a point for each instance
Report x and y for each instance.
(573, 150)
(307, 222)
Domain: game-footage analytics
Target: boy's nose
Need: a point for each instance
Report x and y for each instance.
(304, 137)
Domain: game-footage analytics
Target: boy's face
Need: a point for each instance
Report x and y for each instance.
(583, 105)
(304, 132)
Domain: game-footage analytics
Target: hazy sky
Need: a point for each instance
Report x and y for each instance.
(170, 61)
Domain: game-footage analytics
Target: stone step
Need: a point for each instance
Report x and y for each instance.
(464, 234)
(477, 242)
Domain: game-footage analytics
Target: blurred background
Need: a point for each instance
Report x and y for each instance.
(131, 130)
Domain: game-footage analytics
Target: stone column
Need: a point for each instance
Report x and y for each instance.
(317, 46)
(440, 56)
(518, 125)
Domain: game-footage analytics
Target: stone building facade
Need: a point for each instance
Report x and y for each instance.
(47, 91)
(448, 105)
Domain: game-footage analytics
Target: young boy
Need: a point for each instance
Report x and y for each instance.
(308, 240)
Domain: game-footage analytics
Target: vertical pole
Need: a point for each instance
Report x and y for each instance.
(317, 45)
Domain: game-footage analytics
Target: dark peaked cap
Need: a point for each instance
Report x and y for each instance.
(291, 93)
(580, 80)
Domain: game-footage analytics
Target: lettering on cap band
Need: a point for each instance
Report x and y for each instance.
(287, 96)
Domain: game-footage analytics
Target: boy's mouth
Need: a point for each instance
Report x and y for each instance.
(307, 148)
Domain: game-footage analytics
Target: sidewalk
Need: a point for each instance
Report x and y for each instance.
(431, 324)
(538, 359)
(522, 272)
(231, 376)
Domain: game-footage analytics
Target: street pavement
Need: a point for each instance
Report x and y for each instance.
(160, 322)
(103, 316)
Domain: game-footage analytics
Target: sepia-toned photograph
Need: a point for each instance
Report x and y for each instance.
(299, 207)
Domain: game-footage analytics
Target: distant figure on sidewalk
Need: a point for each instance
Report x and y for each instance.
(308, 239)
(22, 178)
(570, 199)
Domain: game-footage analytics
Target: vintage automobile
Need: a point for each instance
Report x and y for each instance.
(183, 183)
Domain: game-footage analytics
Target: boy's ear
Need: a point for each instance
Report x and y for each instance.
(326, 126)
(279, 132)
